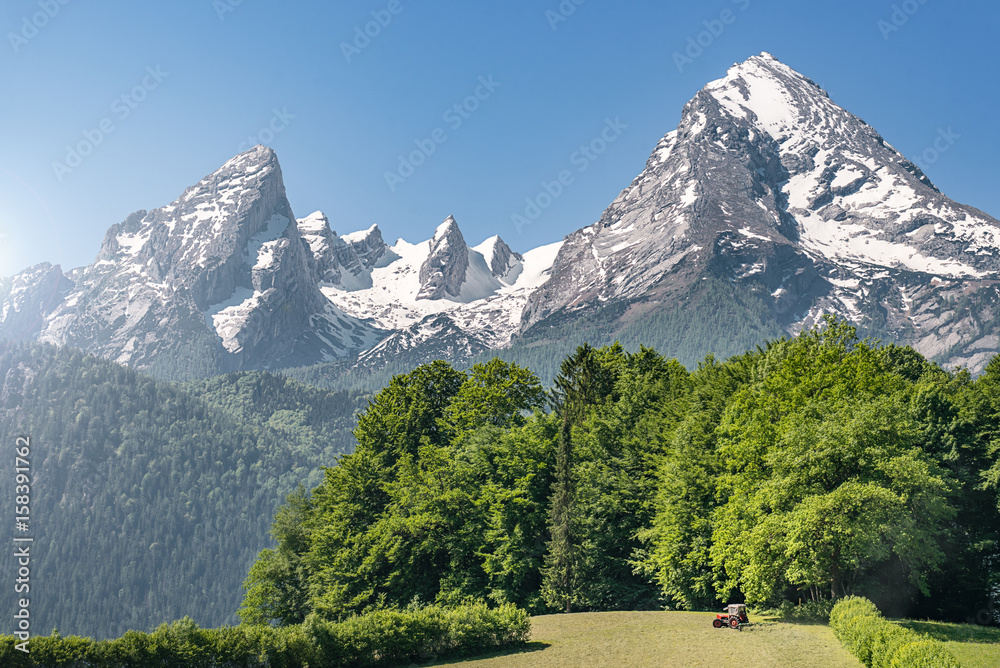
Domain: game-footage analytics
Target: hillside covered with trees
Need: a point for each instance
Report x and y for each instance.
(809, 469)
(149, 500)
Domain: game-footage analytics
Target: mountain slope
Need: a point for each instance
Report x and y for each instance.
(150, 501)
(769, 185)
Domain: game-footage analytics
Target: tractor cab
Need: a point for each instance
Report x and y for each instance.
(735, 617)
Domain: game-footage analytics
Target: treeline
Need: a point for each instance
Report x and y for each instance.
(150, 500)
(809, 469)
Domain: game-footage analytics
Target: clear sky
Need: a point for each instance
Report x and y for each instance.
(159, 94)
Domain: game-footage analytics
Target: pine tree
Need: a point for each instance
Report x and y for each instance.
(583, 381)
(559, 571)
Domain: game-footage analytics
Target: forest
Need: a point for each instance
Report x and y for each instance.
(806, 470)
(151, 499)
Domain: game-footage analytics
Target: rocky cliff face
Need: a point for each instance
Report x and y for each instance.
(443, 272)
(27, 300)
(504, 263)
(363, 251)
(323, 243)
(346, 261)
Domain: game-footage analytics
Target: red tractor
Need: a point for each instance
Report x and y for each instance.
(735, 617)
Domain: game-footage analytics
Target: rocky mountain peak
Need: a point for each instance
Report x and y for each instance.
(28, 298)
(346, 261)
(446, 227)
(323, 242)
(368, 245)
(110, 247)
(259, 159)
(443, 272)
(216, 280)
(771, 186)
(499, 257)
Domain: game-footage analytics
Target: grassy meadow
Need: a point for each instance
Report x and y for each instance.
(688, 640)
(668, 640)
(973, 646)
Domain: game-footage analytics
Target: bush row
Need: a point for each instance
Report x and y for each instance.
(382, 638)
(878, 643)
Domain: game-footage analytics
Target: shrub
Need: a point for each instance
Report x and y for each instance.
(10, 656)
(886, 641)
(851, 606)
(62, 652)
(382, 638)
(878, 643)
(923, 654)
(387, 637)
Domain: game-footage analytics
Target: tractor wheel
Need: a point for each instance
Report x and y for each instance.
(734, 622)
(717, 623)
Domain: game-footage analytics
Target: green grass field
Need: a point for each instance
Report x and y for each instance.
(668, 639)
(687, 639)
(973, 646)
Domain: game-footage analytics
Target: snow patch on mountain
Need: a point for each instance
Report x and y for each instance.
(846, 187)
(315, 229)
(485, 305)
(360, 236)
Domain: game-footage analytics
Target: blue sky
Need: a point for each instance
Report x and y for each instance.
(167, 92)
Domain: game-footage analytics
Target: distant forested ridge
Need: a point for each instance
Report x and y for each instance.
(149, 499)
(807, 469)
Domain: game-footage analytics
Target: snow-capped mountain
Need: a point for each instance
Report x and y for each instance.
(770, 185)
(768, 206)
(217, 280)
